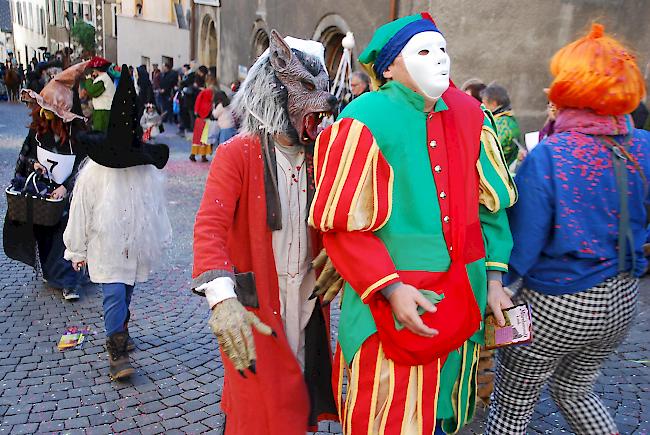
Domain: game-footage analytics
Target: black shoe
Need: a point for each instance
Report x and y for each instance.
(120, 365)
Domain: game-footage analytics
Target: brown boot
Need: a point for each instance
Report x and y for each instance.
(130, 344)
(120, 366)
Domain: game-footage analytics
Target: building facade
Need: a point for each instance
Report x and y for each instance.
(101, 14)
(512, 42)
(501, 40)
(6, 30)
(154, 31)
(29, 29)
(241, 28)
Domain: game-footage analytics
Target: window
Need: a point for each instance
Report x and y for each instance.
(30, 18)
(42, 21)
(87, 13)
(114, 13)
(60, 13)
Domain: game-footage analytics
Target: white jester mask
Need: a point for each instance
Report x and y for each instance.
(427, 61)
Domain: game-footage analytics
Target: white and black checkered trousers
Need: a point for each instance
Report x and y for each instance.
(573, 334)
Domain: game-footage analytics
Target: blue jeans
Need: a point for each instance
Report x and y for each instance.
(117, 298)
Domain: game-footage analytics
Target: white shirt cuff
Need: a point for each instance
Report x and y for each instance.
(218, 289)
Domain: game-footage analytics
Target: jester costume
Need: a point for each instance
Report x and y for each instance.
(102, 90)
(406, 196)
(508, 131)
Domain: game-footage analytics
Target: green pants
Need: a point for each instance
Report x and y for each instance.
(100, 120)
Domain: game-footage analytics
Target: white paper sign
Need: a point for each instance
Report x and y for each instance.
(59, 166)
(532, 139)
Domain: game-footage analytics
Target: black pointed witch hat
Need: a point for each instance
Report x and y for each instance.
(121, 146)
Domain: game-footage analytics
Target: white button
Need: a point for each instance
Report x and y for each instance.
(437, 168)
(433, 144)
(451, 248)
(443, 195)
(446, 219)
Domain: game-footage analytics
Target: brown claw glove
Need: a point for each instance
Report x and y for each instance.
(329, 282)
(233, 326)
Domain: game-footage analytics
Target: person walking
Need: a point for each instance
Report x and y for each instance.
(224, 117)
(51, 152)
(578, 231)
(411, 192)
(119, 225)
(155, 84)
(474, 87)
(496, 100)
(144, 89)
(201, 113)
(168, 81)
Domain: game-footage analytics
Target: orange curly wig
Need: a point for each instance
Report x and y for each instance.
(596, 72)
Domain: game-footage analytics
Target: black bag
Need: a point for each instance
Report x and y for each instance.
(28, 207)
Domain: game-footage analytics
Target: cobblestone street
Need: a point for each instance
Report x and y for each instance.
(179, 374)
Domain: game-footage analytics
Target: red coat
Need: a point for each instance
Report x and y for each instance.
(203, 103)
(230, 233)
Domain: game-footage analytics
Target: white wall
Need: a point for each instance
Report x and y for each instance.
(30, 33)
(6, 44)
(137, 38)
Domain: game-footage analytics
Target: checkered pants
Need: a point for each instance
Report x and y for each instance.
(573, 334)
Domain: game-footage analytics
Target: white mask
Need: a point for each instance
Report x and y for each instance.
(426, 59)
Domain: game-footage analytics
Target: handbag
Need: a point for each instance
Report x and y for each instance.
(33, 207)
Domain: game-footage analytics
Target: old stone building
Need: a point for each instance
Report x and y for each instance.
(29, 29)
(241, 29)
(507, 41)
(101, 14)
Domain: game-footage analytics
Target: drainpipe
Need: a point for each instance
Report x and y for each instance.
(193, 35)
(394, 9)
(218, 40)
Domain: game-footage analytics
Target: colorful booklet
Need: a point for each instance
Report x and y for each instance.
(72, 338)
(518, 329)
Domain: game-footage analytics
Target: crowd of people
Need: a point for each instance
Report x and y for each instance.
(421, 242)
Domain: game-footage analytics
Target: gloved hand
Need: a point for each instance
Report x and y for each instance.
(233, 326)
(329, 282)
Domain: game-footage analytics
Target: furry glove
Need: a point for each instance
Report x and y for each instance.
(233, 326)
(329, 282)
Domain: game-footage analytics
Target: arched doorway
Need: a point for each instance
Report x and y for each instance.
(260, 40)
(260, 43)
(208, 43)
(331, 39)
(330, 31)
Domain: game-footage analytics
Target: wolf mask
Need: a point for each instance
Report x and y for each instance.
(286, 91)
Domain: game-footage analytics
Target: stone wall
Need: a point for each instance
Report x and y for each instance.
(302, 19)
(513, 42)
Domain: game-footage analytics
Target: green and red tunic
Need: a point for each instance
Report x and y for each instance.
(420, 198)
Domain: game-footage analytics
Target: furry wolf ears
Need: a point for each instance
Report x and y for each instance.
(280, 53)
